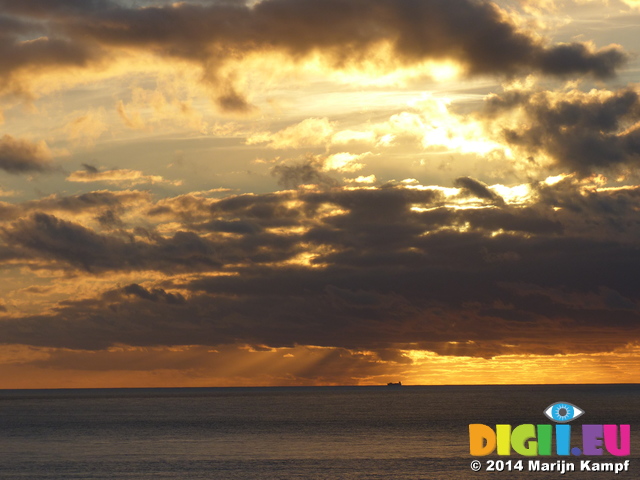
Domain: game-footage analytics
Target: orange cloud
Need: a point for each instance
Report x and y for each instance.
(117, 176)
(308, 133)
(24, 156)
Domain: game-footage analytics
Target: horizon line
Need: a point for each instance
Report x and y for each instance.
(322, 386)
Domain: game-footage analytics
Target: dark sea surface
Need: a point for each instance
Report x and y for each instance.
(409, 432)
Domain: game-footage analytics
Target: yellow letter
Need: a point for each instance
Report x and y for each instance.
(503, 433)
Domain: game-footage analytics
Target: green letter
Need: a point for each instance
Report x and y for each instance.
(544, 439)
(523, 440)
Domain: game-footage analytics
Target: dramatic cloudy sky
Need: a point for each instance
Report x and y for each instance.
(289, 192)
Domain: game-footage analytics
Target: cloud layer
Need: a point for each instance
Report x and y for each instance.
(345, 34)
(582, 132)
(376, 269)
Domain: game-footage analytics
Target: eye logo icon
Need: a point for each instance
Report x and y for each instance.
(563, 412)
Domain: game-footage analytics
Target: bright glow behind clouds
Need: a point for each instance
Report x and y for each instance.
(207, 194)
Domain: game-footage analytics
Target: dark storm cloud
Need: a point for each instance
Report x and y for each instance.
(46, 236)
(22, 156)
(346, 32)
(39, 56)
(230, 100)
(105, 205)
(475, 33)
(306, 172)
(44, 8)
(231, 226)
(11, 26)
(109, 218)
(90, 169)
(83, 202)
(154, 295)
(577, 58)
(376, 274)
(585, 134)
(477, 189)
(377, 205)
(50, 238)
(521, 219)
(256, 212)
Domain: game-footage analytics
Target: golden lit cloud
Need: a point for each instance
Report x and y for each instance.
(117, 176)
(430, 369)
(85, 129)
(151, 109)
(308, 133)
(362, 179)
(344, 162)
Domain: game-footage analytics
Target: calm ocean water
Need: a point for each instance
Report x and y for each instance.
(283, 433)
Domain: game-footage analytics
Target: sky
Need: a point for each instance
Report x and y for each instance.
(319, 192)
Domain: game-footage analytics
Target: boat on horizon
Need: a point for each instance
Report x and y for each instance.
(396, 384)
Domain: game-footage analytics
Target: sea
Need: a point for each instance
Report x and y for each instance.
(328, 433)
